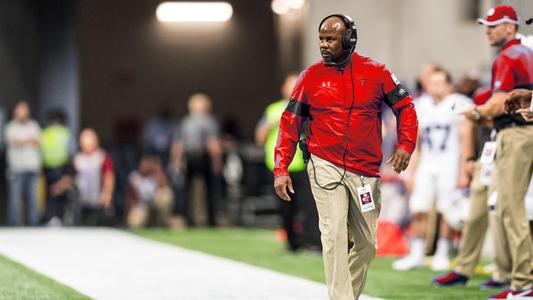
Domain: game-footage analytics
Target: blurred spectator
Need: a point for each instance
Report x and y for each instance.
(149, 195)
(158, 135)
(95, 179)
(23, 137)
(477, 222)
(198, 151)
(423, 78)
(266, 134)
(57, 148)
(445, 143)
(422, 95)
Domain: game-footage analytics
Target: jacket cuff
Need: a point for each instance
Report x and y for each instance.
(407, 147)
(280, 172)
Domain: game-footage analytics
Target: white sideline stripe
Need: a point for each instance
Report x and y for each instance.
(110, 264)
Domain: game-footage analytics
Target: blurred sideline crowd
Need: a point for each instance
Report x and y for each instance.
(79, 180)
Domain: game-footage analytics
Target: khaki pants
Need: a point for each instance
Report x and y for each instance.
(348, 236)
(514, 163)
(474, 232)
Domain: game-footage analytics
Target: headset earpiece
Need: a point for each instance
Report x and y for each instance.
(350, 35)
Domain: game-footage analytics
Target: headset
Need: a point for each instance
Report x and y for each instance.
(349, 38)
(349, 41)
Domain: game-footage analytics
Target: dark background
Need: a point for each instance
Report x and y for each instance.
(110, 63)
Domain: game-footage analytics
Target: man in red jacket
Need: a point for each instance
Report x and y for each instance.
(342, 98)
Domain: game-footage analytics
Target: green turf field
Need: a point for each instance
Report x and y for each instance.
(19, 282)
(261, 248)
(256, 247)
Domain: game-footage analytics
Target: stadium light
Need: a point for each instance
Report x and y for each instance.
(296, 4)
(194, 12)
(282, 7)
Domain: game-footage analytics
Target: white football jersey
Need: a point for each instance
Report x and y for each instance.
(438, 127)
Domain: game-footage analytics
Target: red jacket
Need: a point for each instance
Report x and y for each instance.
(324, 95)
(512, 69)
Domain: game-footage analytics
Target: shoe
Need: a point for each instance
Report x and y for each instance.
(440, 263)
(54, 222)
(493, 284)
(449, 279)
(407, 263)
(523, 295)
(507, 294)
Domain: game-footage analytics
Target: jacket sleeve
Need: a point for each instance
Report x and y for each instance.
(401, 103)
(290, 126)
(503, 79)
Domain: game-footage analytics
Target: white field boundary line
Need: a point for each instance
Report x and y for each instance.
(107, 263)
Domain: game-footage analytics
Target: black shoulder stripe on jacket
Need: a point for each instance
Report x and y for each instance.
(298, 108)
(396, 95)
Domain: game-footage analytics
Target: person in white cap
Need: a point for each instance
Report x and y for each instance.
(512, 69)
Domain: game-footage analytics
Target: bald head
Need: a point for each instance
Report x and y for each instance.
(333, 23)
(330, 34)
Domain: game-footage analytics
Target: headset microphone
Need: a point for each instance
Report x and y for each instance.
(342, 63)
(529, 21)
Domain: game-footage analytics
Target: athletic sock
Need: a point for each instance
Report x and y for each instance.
(443, 248)
(418, 248)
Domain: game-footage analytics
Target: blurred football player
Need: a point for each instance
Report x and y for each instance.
(445, 144)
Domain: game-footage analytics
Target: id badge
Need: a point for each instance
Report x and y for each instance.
(488, 153)
(365, 198)
(485, 174)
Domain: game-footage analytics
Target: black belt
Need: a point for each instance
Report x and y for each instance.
(512, 120)
(512, 124)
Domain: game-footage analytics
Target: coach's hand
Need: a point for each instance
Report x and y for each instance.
(517, 99)
(526, 114)
(399, 160)
(281, 183)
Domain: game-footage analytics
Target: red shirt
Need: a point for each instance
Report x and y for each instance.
(324, 95)
(512, 68)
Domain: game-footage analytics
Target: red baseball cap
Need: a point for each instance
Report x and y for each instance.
(498, 15)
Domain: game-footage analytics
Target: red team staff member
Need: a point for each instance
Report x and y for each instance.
(342, 98)
(512, 68)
